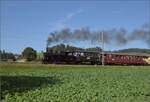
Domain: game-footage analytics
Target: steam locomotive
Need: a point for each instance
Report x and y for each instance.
(91, 57)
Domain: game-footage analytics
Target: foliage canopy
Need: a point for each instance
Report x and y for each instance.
(29, 54)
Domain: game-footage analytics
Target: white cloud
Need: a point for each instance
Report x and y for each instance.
(71, 15)
(63, 22)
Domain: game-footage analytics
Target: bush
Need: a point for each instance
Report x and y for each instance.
(29, 54)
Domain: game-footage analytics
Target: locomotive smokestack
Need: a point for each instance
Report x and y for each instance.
(46, 49)
(47, 46)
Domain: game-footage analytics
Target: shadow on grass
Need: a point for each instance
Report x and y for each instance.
(12, 84)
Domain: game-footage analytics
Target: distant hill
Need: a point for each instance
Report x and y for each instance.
(133, 50)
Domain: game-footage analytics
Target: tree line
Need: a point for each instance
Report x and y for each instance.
(31, 54)
(6, 55)
(28, 53)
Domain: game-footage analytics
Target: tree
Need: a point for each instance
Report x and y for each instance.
(29, 54)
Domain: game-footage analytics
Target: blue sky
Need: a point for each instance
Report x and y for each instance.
(28, 22)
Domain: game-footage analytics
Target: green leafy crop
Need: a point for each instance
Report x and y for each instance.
(74, 83)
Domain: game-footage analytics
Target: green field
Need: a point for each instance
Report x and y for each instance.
(74, 83)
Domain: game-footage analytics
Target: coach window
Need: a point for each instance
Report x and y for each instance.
(122, 57)
(127, 57)
(138, 58)
(110, 56)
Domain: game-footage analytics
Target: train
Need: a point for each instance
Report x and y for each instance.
(93, 57)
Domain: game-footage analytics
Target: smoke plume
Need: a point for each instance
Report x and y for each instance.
(118, 36)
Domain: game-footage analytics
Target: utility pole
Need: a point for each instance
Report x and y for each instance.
(102, 36)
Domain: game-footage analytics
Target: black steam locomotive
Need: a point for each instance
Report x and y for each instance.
(74, 57)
